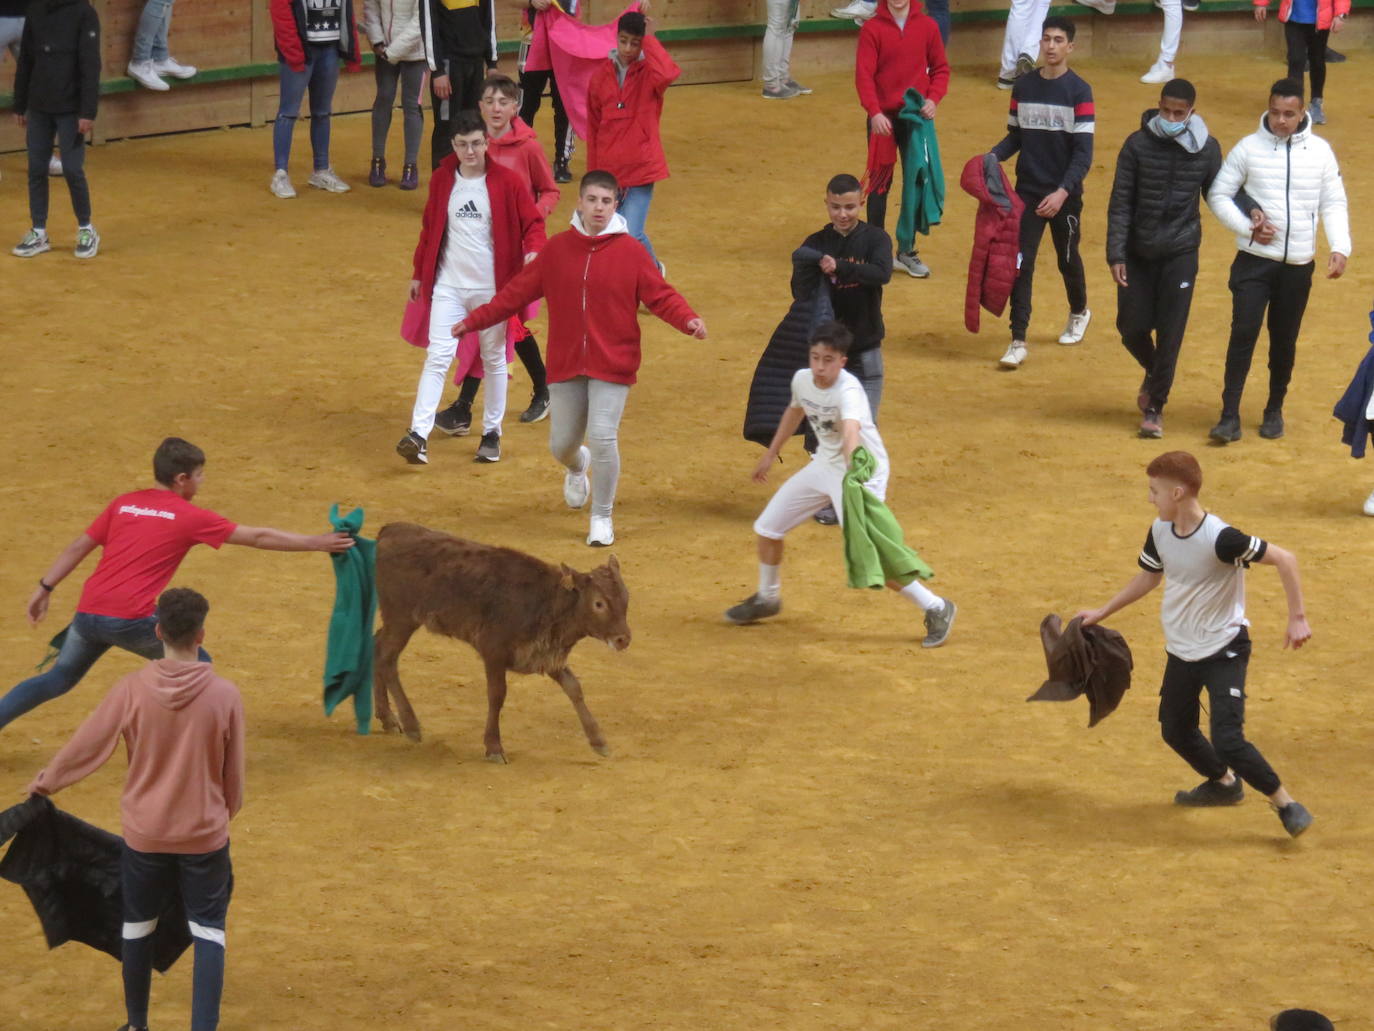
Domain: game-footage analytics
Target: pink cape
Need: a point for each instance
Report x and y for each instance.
(415, 330)
(573, 52)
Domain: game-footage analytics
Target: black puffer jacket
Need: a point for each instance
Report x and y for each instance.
(1159, 183)
(59, 59)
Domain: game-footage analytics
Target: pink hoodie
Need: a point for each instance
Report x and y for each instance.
(183, 728)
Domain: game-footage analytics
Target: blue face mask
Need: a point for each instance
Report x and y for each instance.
(1170, 129)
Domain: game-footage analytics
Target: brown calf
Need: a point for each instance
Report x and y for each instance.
(519, 613)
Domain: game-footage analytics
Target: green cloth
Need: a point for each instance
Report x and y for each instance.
(923, 178)
(348, 655)
(874, 551)
(54, 648)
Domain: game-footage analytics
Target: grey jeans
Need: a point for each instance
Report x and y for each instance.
(411, 75)
(589, 409)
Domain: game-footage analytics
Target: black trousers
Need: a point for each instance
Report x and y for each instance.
(1152, 315)
(465, 75)
(531, 95)
(1259, 284)
(877, 202)
(1223, 675)
(1307, 48)
(1064, 230)
(40, 130)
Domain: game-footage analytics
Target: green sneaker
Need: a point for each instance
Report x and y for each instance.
(35, 242)
(87, 242)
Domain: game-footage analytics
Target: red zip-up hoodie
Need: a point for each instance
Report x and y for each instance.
(519, 151)
(594, 286)
(892, 60)
(622, 119)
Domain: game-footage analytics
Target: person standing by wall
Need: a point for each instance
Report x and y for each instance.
(460, 46)
(392, 28)
(1307, 26)
(532, 93)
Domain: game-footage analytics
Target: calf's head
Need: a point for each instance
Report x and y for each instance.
(603, 603)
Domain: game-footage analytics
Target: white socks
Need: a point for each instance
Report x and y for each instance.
(917, 592)
(770, 582)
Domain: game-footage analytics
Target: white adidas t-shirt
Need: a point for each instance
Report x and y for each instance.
(827, 408)
(467, 262)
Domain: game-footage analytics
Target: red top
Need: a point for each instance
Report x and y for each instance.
(892, 60)
(594, 286)
(519, 151)
(145, 535)
(622, 120)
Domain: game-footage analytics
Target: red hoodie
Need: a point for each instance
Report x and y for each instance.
(519, 151)
(892, 60)
(594, 286)
(622, 120)
(183, 729)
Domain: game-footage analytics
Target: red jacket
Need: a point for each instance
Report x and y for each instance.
(992, 268)
(288, 31)
(594, 286)
(622, 121)
(517, 229)
(892, 60)
(1327, 11)
(519, 151)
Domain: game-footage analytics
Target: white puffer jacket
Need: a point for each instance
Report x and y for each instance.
(395, 24)
(1294, 181)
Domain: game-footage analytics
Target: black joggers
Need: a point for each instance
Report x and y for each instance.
(1307, 49)
(1258, 284)
(1223, 674)
(465, 75)
(40, 131)
(1065, 231)
(1152, 314)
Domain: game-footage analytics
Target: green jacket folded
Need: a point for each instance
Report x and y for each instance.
(874, 549)
(923, 177)
(348, 654)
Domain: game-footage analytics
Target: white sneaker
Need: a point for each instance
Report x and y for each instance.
(1076, 327)
(602, 534)
(1369, 504)
(855, 9)
(576, 486)
(143, 73)
(325, 179)
(1104, 6)
(174, 68)
(281, 185)
(55, 165)
(1160, 71)
(1016, 354)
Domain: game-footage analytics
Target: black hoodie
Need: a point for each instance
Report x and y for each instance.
(59, 60)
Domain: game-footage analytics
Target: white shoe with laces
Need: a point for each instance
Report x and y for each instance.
(1075, 327)
(1016, 354)
(171, 66)
(1160, 72)
(1369, 504)
(325, 179)
(602, 534)
(281, 185)
(143, 73)
(576, 486)
(856, 9)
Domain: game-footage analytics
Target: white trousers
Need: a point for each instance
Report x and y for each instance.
(1025, 26)
(448, 307)
(783, 17)
(1173, 30)
(589, 409)
(805, 493)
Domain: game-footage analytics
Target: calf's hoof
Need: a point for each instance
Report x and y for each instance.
(389, 724)
(413, 733)
(497, 757)
(602, 749)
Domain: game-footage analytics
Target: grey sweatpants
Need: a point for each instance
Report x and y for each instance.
(589, 409)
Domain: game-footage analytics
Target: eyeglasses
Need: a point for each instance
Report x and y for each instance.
(470, 144)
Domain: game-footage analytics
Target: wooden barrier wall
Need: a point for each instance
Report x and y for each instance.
(713, 40)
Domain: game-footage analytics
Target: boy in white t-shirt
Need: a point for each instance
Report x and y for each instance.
(834, 403)
(1203, 562)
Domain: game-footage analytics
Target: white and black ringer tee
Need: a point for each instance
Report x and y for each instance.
(1204, 583)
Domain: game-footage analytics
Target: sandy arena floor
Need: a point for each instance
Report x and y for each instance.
(806, 824)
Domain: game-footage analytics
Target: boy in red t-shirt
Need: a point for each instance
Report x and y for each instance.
(144, 536)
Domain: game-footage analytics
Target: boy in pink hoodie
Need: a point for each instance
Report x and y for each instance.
(183, 729)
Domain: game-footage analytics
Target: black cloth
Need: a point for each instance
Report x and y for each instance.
(770, 391)
(465, 77)
(1153, 210)
(1152, 315)
(1258, 284)
(1093, 660)
(71, 874)
(14, 8)
(1351, 408)
(531, 96)
(39, 133)
(1053, 152)
(459, 32)
(59, 59)
(1307, 52)
(1065, 229)
(863, 264)
(1223, 675)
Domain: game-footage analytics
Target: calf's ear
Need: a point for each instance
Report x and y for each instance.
(613, 564)
(569, 579)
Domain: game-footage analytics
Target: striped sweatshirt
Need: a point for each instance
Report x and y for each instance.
(1051, 125)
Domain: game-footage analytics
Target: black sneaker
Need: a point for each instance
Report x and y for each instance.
(1332, 56)
(1212, 793)
(561, 172)
(1152, 424)
(827, 516)
(1227, 430)
(752, 609)
(412, 448)
(1271, 428)
(489, 450)
(1295, 817)
(455, 420)
(538, 409)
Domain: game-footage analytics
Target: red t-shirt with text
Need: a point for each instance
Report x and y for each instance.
(144, 537)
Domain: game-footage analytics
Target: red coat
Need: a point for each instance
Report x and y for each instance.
(594, 286)
(992, 269)
(517, 229)
(622, 121)
(1327, 11)
(288, 31)
(519, 151)
(892, 60)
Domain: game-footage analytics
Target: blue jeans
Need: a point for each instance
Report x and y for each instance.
(634, 206)
(150, 39)
(939, 10)
(88, 638)
(320, 76)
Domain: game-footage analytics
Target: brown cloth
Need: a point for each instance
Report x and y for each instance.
(1084, 660)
